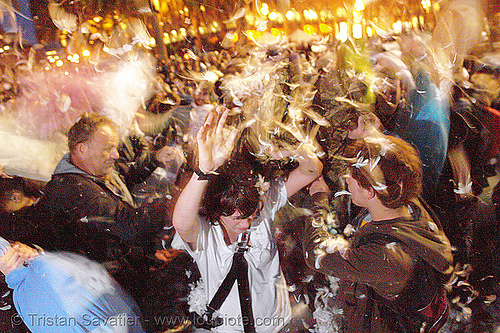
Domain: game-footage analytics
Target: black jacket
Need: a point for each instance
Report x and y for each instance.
(83, 214)
(398, 263)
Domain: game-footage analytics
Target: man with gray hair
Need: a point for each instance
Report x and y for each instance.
(87, 209)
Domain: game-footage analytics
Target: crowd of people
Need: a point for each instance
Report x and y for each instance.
(277, 187)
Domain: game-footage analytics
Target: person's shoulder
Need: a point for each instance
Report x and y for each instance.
(70, 178)
(182, 109)
(421, 213)
(71, 184)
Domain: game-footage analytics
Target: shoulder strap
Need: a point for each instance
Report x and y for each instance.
(239, 273)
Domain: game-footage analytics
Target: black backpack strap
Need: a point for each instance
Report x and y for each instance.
(224, 289)
(238, 272)
(244, 293)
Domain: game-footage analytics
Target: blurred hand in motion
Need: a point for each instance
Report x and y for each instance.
(16, 255)
(167, 255)
(215, 140)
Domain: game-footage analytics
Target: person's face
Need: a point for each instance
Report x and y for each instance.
(100, 151)
(201, 97)
(236, 225)
(360, 195)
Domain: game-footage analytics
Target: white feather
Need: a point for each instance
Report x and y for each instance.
(61, 18)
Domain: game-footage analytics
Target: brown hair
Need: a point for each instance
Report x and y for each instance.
(85, 127)
(235, 188)
(396, 177)
(9, 186)
(232, 190)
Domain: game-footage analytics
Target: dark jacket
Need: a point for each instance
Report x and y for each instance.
(399, 263)
(84, 214)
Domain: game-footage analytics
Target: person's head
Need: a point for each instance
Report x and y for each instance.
(233, 197)
(93, 141)
(387, 167)
(365, 124)
(227, 196)
(15, 194)
(203, 93)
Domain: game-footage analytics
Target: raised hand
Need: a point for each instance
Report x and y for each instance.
(215, 140)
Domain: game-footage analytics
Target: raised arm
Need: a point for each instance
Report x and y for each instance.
(215, 143)
(309, 169)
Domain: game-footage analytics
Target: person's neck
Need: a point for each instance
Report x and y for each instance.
(380, 212)
(77, 162)
(80, 164)
(229, 237)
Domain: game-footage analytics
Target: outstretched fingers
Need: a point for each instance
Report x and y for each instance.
(206, 128)
(226, 140)
(222, 112)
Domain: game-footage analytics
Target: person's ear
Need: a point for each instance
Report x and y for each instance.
(371, 192)
(82, 147)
